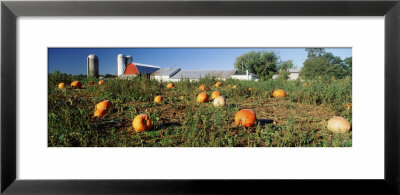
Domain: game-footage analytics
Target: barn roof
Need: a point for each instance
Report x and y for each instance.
(166, 72)
(136, 68)
(197, 74)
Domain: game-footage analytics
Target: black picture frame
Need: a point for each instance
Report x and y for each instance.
(11, 10)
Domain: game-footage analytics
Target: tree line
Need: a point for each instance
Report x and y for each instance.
(319, 64)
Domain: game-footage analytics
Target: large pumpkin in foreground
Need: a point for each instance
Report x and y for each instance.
(104, 105)
(338, 125)
(245, 117)
(279, 93)
(76, 84)
(219, 101)
(215, 94)
(202, 97)
(142, 123)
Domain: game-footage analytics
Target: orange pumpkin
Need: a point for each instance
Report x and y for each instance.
(245, 117)
(170, 86)
(104, 105)
(76, 84)
(348, 106)
(215, 94)
(218, 84)
(101, 82)
(91, 83)
(251, 89)
(279, 93)
(219, 101)
(203, 87)
(158, 99)
(142, 123)
(338, 125)
(61, 85)
(202, 97)
(100, 112)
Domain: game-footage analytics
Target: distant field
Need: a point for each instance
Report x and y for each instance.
(298, 120)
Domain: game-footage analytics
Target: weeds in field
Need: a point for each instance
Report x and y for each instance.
(298, 120)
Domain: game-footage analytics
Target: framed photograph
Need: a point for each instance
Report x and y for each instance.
(202, 97)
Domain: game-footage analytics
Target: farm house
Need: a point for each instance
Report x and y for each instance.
(293, 74)
(176, 74)
(244, 76)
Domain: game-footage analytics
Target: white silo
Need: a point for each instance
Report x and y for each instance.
(92, 66)
(128, 60)
(121, 64)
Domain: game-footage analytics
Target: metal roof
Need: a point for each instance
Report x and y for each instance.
(242, 73)
(146, 69)
(166, 72)
(147, 65)
(197, 74)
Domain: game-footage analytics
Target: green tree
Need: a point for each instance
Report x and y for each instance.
(286, 65)
(349, 64)
(324, 65)
(315, 52)
(262, 63)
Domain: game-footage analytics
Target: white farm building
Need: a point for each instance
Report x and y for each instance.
(293, 74)
(176, 74)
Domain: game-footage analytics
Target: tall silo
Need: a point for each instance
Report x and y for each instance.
(121, 64)
(92, 66)
(128, 60)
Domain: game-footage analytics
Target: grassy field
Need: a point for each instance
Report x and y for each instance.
(298, 120)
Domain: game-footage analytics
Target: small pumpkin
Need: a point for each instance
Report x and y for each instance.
(100, 113)
(202, 97)
(279, 93)
(234, 87)
(76, 84)
(91, 83)
(219, 101)
(181, 97)
(142, 122)
(251, 89)
(170, 86)
(218, 84)
(348, 106)
(104, 105)
(158, 99)
(101, 82)
(203, 87)
(215, 94)
(61, 85)
(245, 117)
(338, 125)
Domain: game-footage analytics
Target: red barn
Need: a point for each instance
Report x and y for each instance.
(133, 69)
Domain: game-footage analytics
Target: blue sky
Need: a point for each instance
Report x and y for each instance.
(73, 60)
